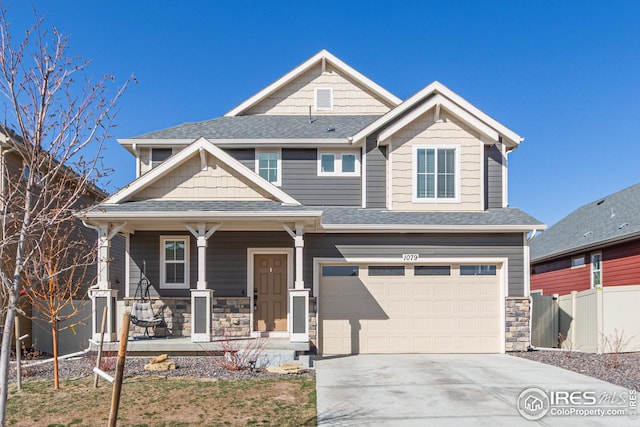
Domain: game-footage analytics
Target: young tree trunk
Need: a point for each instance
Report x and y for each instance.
(54, 338)
(9, 322)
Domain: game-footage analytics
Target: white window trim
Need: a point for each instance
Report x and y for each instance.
(315, 98)
(584, 261)
(278, 152)
(338, 162)
(593, 255)
(187, 241)
(414, 174)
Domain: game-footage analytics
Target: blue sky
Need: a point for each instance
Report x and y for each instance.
(563, 74)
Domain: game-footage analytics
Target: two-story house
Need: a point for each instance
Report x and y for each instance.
(326, 210)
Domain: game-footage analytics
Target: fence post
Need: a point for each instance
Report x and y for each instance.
(573, 325)
(555, 319)
(599, 320)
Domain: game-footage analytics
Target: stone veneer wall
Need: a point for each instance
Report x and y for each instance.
(313, 323)
(176, 313)
(231, 317)
(517, 324)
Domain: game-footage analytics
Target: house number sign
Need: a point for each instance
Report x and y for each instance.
(410, 257)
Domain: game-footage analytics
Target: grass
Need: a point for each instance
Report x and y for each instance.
(167, 402)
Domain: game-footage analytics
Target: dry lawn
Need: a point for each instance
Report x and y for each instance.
(164, 402)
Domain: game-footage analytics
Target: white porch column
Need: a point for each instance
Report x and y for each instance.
(201, 297)
(298, 239)
(104, 245)
(104, 296)
(299, 243)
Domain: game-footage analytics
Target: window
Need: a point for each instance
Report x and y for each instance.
(340, 270)
(596, 270)
(432, 270)
(324, 98)
(577, 261)
(338, 164)
(386, 270)
(477, 270)
(269, 166)
(435, 174)
(174, 262)
(159, 155)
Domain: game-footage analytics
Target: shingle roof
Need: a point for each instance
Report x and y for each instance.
(604, 220)
(332, 215)
(266, 127)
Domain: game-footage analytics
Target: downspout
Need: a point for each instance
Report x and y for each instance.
(529, 239)
(93, 227)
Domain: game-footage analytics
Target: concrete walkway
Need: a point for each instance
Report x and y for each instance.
(446, 390)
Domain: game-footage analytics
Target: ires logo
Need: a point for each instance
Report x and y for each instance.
(573, 398)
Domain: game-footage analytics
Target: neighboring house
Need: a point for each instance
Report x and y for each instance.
(39, 331)
(327, 211)
(596, 245)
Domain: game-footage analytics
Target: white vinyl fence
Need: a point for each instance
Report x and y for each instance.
(593, 321)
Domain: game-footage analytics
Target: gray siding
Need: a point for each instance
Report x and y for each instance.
(145, 247)
(300, 180)
(493, 160)
(226, 260)
(426, 245)
(116, 266)
(246, 156)
(376, 174)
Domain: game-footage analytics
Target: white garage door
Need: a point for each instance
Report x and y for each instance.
(410, 309)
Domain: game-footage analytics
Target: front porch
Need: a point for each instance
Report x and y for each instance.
(210, 274)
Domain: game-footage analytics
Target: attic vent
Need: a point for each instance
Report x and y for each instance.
(600, 202)
(324, 98)
(621, 226)
(331, 129)
(587, 234)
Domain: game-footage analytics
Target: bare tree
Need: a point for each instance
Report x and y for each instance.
(56, 277)
(59, 120)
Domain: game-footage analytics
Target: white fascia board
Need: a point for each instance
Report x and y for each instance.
(199, 215)
(447, 105)
(502, 129)
(237, 143)
(193, 149)
(409, 228)
(434, 89)
(300, 69)
(587, 247)
(129, 143)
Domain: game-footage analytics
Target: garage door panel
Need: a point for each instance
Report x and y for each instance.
(415, 314)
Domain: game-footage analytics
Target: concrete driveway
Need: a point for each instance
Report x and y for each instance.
(450, 390)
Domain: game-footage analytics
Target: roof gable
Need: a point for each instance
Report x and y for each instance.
(322, 59)
(434, 95)
(607, 220)
(202, 147)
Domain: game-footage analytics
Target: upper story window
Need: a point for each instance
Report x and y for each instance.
(596, 270)
(436, 174)
(577, 261)
(338, 163)
(159, 155)
(174, 262)
(324, 98)
(269, 165)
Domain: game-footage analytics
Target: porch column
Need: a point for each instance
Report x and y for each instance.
(298, 239)
(103, 296)
(201, 297)
(299, 243)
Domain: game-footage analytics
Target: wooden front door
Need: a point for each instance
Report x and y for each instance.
(270, 292)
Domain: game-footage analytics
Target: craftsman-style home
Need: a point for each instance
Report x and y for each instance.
(328, 212)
